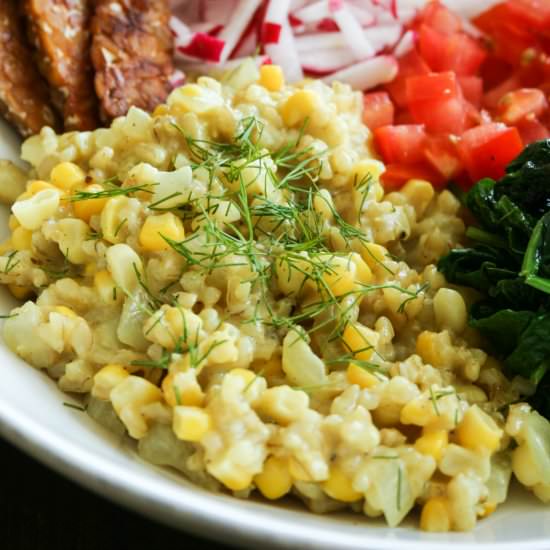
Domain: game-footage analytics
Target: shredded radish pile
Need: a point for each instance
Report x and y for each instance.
(353, 41)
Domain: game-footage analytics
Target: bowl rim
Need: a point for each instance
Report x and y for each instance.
(197, 511)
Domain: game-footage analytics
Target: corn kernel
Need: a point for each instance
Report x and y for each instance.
(35, 186)
(478, 430)
(419, 193)
(418, 412)
(374, 254)
(360, 340)
(433, 443)
(90, 269)
(6, 246)
(271, 77)
(21, 238)
(161, 110)
(428, 346)
(155, 227)
(297, 470)
(85, 209)
(271, 367)
(275, 480)
(363, 274)
(339, 486)
(66, 311)
(178, 390)
(233, 478)
(435, 515)
(367, 170)
(361, 377)
(283, 404)
(190, 423)
(106, 287)
(20, 292)
(106, 379)
(67, 175)
(13, 223)
(246, 375)
(299, 106)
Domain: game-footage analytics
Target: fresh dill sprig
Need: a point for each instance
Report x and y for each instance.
(108, 193)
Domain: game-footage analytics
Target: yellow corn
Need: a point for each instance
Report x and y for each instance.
(341, 274)
(190, 423)
(155, 227)
(360, 340)
(433, 443)
(106, 379)
(21, 238)
(478, 430)
(275, 480)
(418, 412)
(20, 292)
(106, 287)
(161, 110)
(429, 348)
(12, 222)
(297, 471)
(435, 515)
(246, 375)
(420, 193)
(271, 77)
(66, 311)
(487, 509)
(283, 404)
(90, 269)
(233, 478)
(360, 376)
(67, 175)
(367, 170)
(363, 273)
(339, 486)
(91, 207)
(299, 106)
(35, 186)
(6, 246)
(181, 394)
(374, 254)
(271, 367)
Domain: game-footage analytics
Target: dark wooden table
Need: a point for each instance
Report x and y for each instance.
(41, 510)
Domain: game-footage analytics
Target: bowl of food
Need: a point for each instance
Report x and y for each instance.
(303, 265)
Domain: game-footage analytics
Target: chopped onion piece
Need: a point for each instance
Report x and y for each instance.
(275, 15)
(237, 24)
(367, 74)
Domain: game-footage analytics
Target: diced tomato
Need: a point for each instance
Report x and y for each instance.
(442, 154)
(411, 64)
(397, 175)
(457, 52)
(486, 150)
(494, 71)
(474, 117)
(520, 104)
(400, 144)
(510, 34)
(378, 110)
(472, 89)
(492, 97)
(440, 18)
(532, 130)
(534, 14)
(436, 101)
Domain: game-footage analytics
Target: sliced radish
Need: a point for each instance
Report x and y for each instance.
(284, 53)
(203, 46)
(367, 74)
(177, 78)
(207, 27)
(324, 62)
(218, 12)
(237, 25)
(247, 46)
(182, 32)
(406, 44)
(351, 30)
(311, 13)
(275, 15)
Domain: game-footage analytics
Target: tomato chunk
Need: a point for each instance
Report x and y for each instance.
(486, 150)
(400, 144)
(442, 153)
(440, 18)
(457, 52)
(411, 64)
(472, 89)
(378, 110)
(436, 101)
(520, 104)
(532, 130)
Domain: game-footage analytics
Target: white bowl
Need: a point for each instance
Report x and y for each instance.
(33, 417)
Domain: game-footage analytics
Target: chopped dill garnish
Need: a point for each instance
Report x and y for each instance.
(108, 193)
(399, 483)
(75, 407)
(10, 264)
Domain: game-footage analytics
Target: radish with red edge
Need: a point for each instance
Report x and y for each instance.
(284, 53)
(276, 14)
(351, 30)
(367, 74)
(326, 61)
(203, 46)
(236, 26)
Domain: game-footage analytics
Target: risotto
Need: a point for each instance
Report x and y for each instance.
(227, 282)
